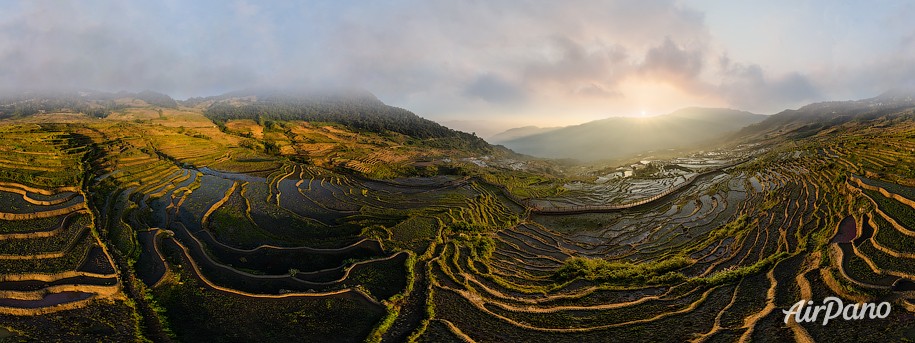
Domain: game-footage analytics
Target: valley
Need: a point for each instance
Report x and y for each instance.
(252, 217)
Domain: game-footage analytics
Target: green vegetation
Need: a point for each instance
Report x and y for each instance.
(734, 228)
(624, 273)
(738, 273)
(900, 212)
(287, 218)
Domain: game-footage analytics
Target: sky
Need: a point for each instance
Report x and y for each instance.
(486, 65)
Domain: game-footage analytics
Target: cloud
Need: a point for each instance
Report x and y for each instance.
(670, 61)
(748, 87)
(449, 59)
(65, 45)
(401, 50)
(245, 9)
(542, 51)
(591, 71)
(598, 91)
(493, 89)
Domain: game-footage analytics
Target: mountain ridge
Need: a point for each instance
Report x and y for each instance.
(814, 117)
(623, 136)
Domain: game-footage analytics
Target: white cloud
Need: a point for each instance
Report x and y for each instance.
(572, 59)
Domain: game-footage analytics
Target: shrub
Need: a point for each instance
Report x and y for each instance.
(595, 269)
(732, 229)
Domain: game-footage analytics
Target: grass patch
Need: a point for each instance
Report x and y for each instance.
(624, 273)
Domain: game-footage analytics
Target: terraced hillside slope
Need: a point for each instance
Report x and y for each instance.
(164, 226)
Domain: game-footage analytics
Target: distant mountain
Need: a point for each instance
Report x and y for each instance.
(482, 128)
(93, 103)
(813, 118)
(156, 99)
(623, 136)
(359, 110)
(520, 132)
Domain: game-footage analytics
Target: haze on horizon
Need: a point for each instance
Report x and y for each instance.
(495, 64)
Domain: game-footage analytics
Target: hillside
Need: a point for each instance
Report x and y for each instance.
(152, 225)
(816, 117)
(349, 131)
(519, 132)
(356, 109)
(622, 136)
(92, 103)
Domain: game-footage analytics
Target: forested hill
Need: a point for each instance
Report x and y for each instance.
(357, 109)
(92, 103)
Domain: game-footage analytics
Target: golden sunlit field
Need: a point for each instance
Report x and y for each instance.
(140, 226)
(457, 171)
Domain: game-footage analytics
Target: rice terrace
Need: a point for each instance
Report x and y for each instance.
(153, 219)
(457, 171)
